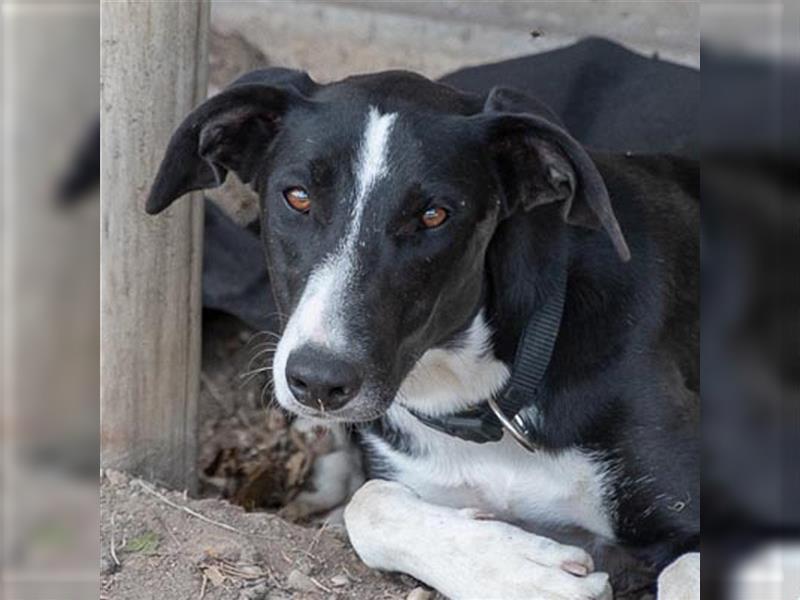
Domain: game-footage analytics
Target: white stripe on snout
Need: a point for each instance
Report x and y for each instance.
(320, 315)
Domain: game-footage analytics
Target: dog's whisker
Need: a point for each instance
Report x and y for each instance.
(261, 347)
(265, 345)
(265, 390)
(258, 355)
(262, 334)
(249, 377)
(254, 372)
(263, 352)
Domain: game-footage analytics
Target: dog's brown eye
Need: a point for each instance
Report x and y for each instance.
(298, 199)
(433, 217)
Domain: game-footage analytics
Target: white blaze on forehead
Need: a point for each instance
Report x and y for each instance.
(332, 280)
(371, 161)
(320, 315)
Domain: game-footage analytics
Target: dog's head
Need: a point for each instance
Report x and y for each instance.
(379, 197)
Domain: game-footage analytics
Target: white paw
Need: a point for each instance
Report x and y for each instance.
(462, 555)
(504, 561)
(681, 579)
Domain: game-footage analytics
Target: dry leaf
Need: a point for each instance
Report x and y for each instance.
(214, 575)
(296, 469)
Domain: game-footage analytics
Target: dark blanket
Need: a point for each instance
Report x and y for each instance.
(608, 97)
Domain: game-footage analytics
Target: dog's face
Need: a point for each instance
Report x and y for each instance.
(379, 197)
(375, 231)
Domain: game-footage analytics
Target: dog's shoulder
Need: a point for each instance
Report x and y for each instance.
(657, 182)
(657, 201)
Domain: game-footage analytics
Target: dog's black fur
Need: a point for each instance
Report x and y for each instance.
(624, 374)
(623, 380)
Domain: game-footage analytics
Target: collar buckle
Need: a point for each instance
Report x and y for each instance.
(515, 426)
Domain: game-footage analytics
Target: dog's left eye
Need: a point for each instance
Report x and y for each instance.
(298, 199)
(434, 217)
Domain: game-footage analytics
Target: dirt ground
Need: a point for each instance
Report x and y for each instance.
(160, 545)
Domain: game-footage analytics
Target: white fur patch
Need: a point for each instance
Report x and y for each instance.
(448, 380)
(543, 488)
(371, 161)
(319, 318)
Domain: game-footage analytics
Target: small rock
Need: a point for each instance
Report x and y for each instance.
(299, 581)
(340, 580)
(212, 549)
(228, 552)
(116, 477)
(303, 566)
(419, 593)
(256, 592)
(251, 555)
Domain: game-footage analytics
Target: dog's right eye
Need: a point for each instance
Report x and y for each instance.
(298, 199)
(433, 217)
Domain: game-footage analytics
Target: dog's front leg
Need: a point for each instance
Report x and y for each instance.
(462, 555)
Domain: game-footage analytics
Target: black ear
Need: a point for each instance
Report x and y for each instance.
(509, 100)
(228, 132)
(539, 163)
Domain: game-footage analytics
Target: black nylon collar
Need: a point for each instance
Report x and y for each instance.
(516, 402)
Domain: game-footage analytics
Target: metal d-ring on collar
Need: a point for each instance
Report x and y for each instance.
(515, 426)
(486, 423)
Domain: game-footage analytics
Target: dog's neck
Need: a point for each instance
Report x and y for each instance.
(521, 264)
(522, 268)
(448, 380)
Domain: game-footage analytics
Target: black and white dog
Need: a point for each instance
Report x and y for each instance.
(411, 233)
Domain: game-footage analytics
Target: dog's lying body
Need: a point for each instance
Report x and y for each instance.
(410, 232)
(621, 431)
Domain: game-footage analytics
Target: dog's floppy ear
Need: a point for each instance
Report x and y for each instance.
(538, 163)
(228, 132)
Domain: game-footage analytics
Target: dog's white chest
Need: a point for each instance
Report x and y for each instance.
(501, 478)
(542, 488)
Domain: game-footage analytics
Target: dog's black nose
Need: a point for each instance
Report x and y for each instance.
(320, 380)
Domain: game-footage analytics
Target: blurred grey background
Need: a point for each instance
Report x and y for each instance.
(332, 39)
